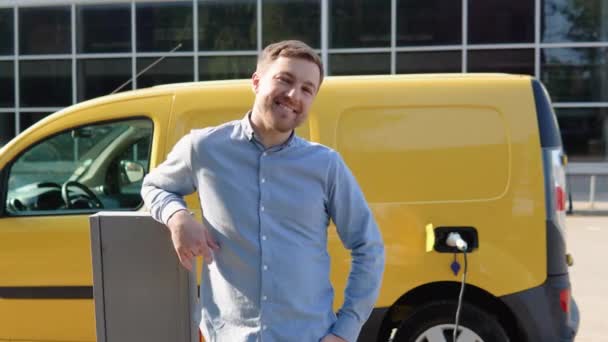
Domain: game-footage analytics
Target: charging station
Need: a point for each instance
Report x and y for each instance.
(141, 291)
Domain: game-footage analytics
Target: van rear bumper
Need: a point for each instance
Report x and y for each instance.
(539, 314)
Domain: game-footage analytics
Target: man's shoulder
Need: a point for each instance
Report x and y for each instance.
(224, 130)
(317, 149)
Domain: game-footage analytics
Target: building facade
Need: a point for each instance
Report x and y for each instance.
(55, 53)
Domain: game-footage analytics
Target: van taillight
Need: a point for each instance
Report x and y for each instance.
(560, 198)
(564, 300)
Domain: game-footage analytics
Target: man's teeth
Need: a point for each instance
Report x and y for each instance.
(286, 107)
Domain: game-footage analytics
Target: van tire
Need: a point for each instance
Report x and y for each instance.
(439, 313)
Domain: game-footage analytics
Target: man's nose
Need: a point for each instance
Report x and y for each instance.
(293, 93)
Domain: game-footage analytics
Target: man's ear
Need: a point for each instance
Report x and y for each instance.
(255, 82)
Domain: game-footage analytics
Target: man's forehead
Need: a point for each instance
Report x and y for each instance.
(297, 67)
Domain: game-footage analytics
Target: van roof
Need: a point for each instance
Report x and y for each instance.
(470, 76)
(178, 87)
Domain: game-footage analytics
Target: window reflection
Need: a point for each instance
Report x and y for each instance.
(584, 132)
(360, 64)
(162, 26)
(95, 35)
(169, 70)
(574, 20)
(7, 127)
(227, 25)
(97, 77)
(517, 61)
(6, 31)
(45, 83)
(431, 22)
(499, 21)
(226, 67)
(576, 74)
(359, 23)
(429, 62)
(28, 119)
(7, 84)
(292, 19)
(44, 30)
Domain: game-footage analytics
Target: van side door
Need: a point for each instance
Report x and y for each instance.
(55, 176)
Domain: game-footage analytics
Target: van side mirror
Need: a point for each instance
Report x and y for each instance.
(133, 170)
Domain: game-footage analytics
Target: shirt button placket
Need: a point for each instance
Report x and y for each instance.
(263, 252)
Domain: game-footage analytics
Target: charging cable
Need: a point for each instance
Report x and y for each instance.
(454, 240)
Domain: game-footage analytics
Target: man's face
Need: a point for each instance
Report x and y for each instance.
(284, 90)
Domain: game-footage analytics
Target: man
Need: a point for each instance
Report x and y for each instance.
(267, 197)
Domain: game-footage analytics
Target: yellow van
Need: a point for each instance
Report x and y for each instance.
(475, 154)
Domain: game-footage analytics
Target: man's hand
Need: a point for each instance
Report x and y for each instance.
(190, 239)
(332, 338)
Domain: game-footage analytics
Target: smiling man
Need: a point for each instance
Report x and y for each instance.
(267, 198)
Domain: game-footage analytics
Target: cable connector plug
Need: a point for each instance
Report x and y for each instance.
(455, 240)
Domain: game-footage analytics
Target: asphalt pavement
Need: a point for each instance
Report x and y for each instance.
(587, 238)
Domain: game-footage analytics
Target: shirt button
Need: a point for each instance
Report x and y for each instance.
(264, 154)
(264, 237)
(262, 208)
(265, 267)
(263, 180)
(264, 298)
(265, 327)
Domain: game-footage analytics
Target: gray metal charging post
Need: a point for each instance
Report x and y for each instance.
(141, 291)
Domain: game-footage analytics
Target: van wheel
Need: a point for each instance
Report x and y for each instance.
(434, 322)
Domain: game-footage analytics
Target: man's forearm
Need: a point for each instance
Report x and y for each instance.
(162, 204)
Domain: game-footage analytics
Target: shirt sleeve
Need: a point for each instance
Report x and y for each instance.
(359, 233)
(164, 187)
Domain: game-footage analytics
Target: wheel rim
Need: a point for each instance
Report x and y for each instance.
(443, 333)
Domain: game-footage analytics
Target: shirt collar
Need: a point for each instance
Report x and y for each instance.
(250, 134)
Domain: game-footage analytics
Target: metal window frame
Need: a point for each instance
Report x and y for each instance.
(537, 45)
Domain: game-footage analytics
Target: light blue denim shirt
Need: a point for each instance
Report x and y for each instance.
(269, 210)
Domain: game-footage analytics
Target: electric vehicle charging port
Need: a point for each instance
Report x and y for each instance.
(468, 234)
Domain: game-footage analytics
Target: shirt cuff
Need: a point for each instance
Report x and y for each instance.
(347, 328)
(171, 209)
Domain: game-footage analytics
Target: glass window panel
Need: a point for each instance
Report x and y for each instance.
(360, 64)
(359, 23)
(500, 21)
(97, 77)
(28, 119)
(7, 84)
(226, 67)
(94, 33)
(227, 25)
(292, 19)
(584, 133)
(431, 22)
(429, 62)
(169, 70)
(573, 75)
(516, 61)
(6, 31)
(162, 26)
(574, 21)
(45, 83)
(7, 127)
(59, 158)
(44, 30)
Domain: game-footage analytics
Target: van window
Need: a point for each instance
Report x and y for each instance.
(87, 168)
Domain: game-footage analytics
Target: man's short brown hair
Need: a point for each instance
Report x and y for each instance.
(289, 48)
